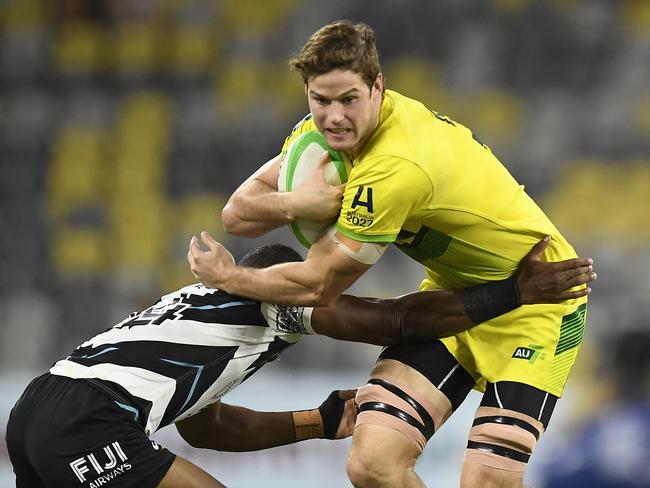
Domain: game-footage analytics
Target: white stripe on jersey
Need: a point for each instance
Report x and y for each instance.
(250, 342)
(232, 376)
(159, 389)
(193, 333)
(156, 388)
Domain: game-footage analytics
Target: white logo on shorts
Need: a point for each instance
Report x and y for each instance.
(113, 451)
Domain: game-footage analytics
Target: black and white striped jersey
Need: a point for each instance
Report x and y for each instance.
(183, 353)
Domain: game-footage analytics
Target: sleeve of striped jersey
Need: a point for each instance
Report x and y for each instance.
(287, 318)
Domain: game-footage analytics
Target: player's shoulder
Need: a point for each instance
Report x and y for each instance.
(417, 119)
(306, 124)
(193, 289)
(411, 132)
(400, 139)
(403, 126)
(403, 106)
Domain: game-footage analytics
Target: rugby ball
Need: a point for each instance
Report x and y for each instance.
(300, 161)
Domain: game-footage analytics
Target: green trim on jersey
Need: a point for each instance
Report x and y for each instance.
(386, 238)
(572, 330)
(559, 372)
(426, 245)
(571, 333)
(439, 252)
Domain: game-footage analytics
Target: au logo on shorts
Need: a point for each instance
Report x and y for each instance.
(531, 353)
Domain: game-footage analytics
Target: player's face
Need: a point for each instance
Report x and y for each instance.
(344, 108)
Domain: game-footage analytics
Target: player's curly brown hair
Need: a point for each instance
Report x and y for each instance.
(339, 45)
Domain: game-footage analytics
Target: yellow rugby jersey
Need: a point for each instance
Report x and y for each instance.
(424, 182)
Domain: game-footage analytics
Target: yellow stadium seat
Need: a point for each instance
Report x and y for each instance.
(139, 232)
(237, 86)
(196, 212)
(596, 199)
(495, 114)
(287, 92)
(23, 14)
(78, 251)
(76, 172)
(255, 16)
(142, 143)
(77, 48)
(137, 48)
(418, 78)
(193, 50)
(635, 15)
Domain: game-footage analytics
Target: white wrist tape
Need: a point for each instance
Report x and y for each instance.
(369, 252)
(287, 318)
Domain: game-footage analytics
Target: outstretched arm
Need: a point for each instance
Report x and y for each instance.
(230, 428)
(318, 280)
(427, 315)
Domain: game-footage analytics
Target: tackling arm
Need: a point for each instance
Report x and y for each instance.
(415, 317)
(427, 315)
(231, 428)
(319, 280)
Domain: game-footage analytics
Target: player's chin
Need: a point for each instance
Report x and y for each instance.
(340, 141)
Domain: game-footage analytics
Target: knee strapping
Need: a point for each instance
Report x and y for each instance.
(503, 441)
(399, 408)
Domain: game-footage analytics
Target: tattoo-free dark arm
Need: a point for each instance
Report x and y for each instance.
(427, 315)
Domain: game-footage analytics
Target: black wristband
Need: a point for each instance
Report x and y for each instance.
(484, 302)
(331, 411)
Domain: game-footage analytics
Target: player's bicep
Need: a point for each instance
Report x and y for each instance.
(367, 253)
(356, 319)
(333, 268)
(202, 428)
(266, 174)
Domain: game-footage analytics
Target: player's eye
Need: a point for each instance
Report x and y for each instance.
(348, 100)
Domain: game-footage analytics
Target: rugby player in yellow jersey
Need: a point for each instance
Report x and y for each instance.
(423, 182)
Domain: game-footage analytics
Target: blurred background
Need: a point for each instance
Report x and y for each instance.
(126, 124)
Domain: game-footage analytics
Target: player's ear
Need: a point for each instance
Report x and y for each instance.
(378, 84)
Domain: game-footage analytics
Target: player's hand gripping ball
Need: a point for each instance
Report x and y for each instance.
(302, 157)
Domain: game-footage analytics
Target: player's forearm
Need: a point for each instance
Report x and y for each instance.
(256, 209)
(416, 317)
(248, 430)
(239, 429)
(288, 284)
(428, 315)
(425, 315)
(421, 316)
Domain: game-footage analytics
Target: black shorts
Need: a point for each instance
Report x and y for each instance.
(66, 433)
(442, 369)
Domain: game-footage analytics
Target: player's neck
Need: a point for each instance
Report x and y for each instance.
(358, 148)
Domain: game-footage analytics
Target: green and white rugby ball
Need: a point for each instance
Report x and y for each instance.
(300, 161)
